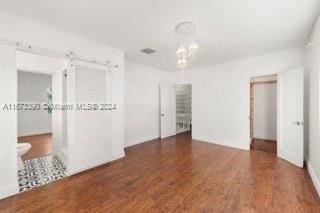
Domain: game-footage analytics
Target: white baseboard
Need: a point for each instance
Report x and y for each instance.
(238, 145)
(119, 155)
(36, 132)
(181, 131)
(85, 166)
(92, 163)
(244, 146)
(315, 179)
(140, 140)
(8, 191)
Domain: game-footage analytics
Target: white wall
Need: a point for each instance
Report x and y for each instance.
(33, 87)
(8, 122)
(265, 111)
(313, 147)
(220, 95)
(142, 102)
(23, 30)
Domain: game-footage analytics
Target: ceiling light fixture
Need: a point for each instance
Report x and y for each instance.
(188, 48)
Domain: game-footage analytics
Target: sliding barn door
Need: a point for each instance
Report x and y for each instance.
(167, 110)
(90, 134)
(290, 120)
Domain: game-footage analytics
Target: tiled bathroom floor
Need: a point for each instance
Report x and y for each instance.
(40, 171)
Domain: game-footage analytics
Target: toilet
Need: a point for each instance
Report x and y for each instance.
(22, 148)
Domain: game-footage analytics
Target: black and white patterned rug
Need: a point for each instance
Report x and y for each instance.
(40, 171)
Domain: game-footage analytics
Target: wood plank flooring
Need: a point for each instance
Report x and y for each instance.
(264, 145)
(178, 175)
(41, 145)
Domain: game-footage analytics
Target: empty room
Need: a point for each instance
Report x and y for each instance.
(159, 106)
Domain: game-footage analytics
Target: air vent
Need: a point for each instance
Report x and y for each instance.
(148, 51)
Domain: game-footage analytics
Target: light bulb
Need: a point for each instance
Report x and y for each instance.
(182, 63)
(193, 50)
(182, 52)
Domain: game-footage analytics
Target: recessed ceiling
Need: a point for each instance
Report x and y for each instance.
(226, 29)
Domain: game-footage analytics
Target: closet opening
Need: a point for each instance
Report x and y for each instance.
(183, 108)
(263, 113)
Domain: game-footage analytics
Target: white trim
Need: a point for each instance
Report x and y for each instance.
(182, 130)
(140, 140)
(35, 132)
(118, 155)
(279, 116)
(314, 178)
(9, 191)
(89, 164)
(51, 73)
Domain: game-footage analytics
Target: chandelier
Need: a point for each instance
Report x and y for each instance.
(188, 48)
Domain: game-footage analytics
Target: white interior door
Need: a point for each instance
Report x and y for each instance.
(290, 119)
(89, 134)
(168, 110)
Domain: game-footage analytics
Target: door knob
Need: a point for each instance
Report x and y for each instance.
(298, 123)
(162, 114)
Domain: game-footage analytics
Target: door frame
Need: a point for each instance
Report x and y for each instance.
(56, 85)
(192, 105)
(279, 105)
(189, 84)
(251, 103)
(173, 110)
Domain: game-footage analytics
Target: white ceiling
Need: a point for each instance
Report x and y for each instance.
(226, 29)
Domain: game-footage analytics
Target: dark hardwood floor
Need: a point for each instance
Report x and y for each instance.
(178, 175)
(41, 145)
(264, 145)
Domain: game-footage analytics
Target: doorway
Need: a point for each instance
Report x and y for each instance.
(263, 113)
(289, 86)
(39, 88)
(183, 108)
(35, 126)
(175, 109)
